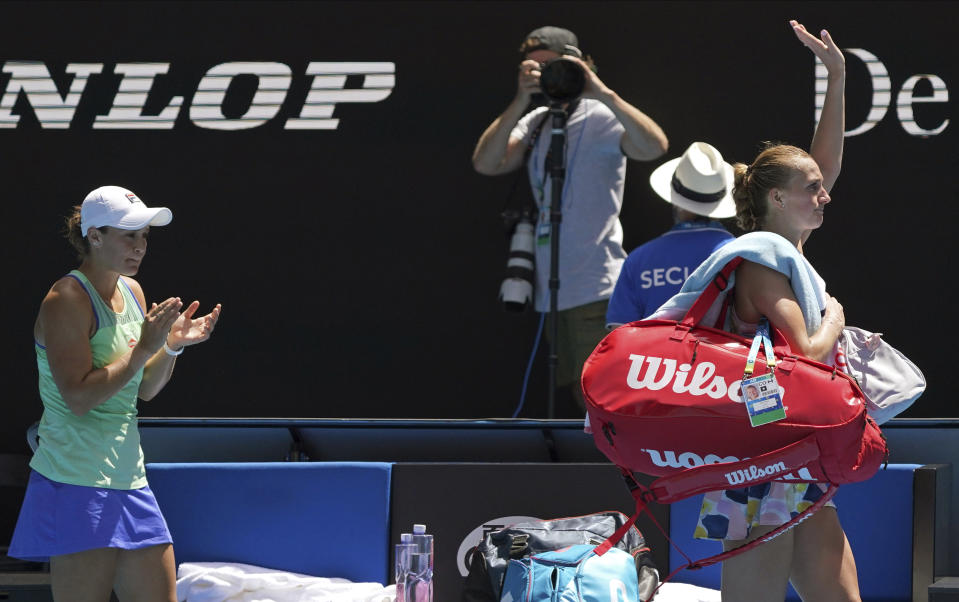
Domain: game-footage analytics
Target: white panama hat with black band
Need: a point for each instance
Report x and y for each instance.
(119, 208)
(699, 181)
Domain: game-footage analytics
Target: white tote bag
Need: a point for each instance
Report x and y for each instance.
(890, 382)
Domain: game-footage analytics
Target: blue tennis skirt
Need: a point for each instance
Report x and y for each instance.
(57, 518)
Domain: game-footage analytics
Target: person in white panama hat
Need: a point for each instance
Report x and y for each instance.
(698, 185)
(88, 510)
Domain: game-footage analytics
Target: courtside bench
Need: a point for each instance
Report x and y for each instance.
(332, 519)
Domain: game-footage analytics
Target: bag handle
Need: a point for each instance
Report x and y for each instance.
(744, 473)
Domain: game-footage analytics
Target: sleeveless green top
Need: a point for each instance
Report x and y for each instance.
(102, 447)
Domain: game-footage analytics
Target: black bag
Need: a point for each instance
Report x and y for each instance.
(488, 561)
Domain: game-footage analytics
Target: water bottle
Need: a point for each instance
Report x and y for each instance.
(402, 564)
(419, 581)
(423, 542)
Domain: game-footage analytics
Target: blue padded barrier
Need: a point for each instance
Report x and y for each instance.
(326, 519)
(877, 516)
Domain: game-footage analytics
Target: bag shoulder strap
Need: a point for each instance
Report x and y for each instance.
(706, 299)
(694, 316)
(723, 311)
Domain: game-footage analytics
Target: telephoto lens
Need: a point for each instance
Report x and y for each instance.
(562, 80)
(516, 291)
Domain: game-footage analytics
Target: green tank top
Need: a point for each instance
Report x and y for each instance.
(102, 447)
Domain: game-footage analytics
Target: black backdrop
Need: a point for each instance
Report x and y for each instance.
(359, 266)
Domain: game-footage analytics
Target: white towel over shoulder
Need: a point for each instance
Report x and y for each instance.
(764, 248)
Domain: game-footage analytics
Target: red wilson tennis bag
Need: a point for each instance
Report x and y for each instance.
(664, 399)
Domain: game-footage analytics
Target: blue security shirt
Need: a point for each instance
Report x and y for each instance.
(656, 270)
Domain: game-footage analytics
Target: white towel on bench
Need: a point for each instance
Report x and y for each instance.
(686, 592)
(235, 582)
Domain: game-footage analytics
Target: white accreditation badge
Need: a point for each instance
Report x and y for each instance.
(761, 394)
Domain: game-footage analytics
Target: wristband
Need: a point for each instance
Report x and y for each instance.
(169, 351)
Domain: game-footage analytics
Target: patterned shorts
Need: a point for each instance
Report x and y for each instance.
(732, 513)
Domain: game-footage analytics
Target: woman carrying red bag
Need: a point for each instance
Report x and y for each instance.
(785, 191)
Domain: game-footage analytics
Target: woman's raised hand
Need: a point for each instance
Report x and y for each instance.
(823, 47)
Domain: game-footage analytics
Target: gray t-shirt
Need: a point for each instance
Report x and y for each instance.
(591, 238)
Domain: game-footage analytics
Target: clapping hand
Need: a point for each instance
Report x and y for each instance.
(157, 323)
(188, 330)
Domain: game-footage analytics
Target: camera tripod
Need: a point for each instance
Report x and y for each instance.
(557, 172)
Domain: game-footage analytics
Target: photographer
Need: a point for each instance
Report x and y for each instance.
(602, 130)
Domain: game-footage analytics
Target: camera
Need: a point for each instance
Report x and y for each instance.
(561, 80)
(516, 292)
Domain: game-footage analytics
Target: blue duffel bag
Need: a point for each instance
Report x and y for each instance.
(573, 574)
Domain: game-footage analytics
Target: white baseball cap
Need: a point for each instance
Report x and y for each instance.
(699, 181)
(120, 208)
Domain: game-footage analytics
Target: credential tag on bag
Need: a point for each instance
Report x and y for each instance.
(761, 393)
(763, 400)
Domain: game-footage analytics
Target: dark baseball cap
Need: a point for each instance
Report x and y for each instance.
(557, 39)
